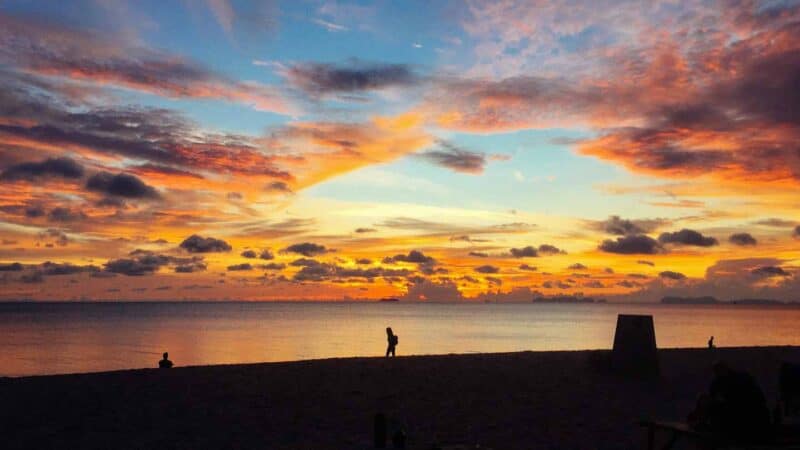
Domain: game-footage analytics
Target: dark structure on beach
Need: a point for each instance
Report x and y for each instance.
(635, 351)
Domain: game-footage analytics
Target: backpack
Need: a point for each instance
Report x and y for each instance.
(395, 339)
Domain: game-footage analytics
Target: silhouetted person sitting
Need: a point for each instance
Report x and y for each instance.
(711, 342)
(391, 338)
(734, 406)
(165, 363)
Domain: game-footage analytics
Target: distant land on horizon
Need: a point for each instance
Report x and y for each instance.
(709, 300)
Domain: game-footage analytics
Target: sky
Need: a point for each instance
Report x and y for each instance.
(449, 150)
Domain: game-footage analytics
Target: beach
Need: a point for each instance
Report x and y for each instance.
(522, 400)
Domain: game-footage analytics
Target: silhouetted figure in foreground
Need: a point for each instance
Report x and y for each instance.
(392, 340)
(734, 406)
(711, 342)
(165, 363)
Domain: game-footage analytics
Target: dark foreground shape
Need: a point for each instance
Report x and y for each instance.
(527, 400)
(635, 350)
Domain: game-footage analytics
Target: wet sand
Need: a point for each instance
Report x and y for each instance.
(525, 400)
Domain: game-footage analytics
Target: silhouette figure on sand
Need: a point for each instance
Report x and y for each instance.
(711, 342)
(734, 406)
(165, 363)
(392, 340)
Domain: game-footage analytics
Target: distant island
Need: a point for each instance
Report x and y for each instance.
(567, 299)
(389, 299)
(759, 301)
(709, 300)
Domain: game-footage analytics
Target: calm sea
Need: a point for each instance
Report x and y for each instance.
(51, 338)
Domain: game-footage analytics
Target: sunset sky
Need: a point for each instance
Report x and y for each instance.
(448, 150)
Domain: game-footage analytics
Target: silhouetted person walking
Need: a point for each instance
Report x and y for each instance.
(392, 340)
(165, 363)
(711, 342)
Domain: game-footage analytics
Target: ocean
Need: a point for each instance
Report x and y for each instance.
(55, 338)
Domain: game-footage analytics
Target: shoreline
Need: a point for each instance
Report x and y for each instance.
(346, 359)
(519, 400)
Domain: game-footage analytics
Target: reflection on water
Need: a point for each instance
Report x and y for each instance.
(84, 337)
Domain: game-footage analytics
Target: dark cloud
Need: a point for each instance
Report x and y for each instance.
(134, 266)
(687, 237)
(307, 249)
(645, 262)
(266, 254)
(161, 169)
(111, 202)
(304, 262)
(50, 167)
(455, 158)
(333, 272)
(51, 268)
(249, 254)
(493, 280)
(608, 270)
(742, 239)
(466, 238)
(524, 252)
(527, 268)
(796, 232)
(35, 211)
(365, 230)
(240, 267)
(145, 262)
(577, 266)
(622, 227)
(278, 186)
(487, 269)
(191, 267)
(57, 236)
(770, 271)
(741, 126)
(414, 256)
(272, 266)
(631, 245)
(479, 254)
(594, 284)
(547, 249)
(776, 222)
(121, 185)
(158, 137)
(363, 261)
(639, 276)
(432, 291)
(44, 47)
(549, 284)
(199, 244)
(61, 214)
(470, 279)
(233, 196)
(319, 79)
(668, 274)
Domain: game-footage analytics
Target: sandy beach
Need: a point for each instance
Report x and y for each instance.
(500, 401)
